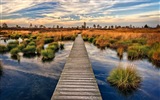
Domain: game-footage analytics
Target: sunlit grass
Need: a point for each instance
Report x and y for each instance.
(3, 48)
(123, 78)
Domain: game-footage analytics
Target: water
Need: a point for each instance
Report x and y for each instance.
(104, 61)
(31, 79)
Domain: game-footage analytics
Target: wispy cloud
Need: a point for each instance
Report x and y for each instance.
(76, 11)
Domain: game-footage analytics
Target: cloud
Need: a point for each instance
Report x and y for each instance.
(76, 11)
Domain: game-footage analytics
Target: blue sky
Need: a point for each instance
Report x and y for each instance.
(75, 12)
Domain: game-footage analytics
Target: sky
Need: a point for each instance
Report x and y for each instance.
(74, 12)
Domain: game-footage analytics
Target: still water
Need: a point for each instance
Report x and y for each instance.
(104, 61)
(31, 79)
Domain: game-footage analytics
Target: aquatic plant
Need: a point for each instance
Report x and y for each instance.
(54, 46)
(15, 51)
(120, 52)
(48, 40)
(3, 48)
(154, 54)
(15, 36)
(141, 41)
(39, 48)
(138, 51)
(61, 46)
(21, 46)
(47, 54)
(125, 79)
(29, 49)
(12, 45)
(32, 43)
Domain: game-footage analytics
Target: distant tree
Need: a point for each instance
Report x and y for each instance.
(17, 26)
(105, 27)
(35, 26)
(30, 26)
(82, 26)
(4, 25)
(146, 26)
(112, 27)
(98, 26)
(57, 26)
(77, 27)
(53, 26)
(130, 26)
(41, 26)
(158, 26)
(94, 26)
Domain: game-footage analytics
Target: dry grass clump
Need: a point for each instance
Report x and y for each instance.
(125, 79)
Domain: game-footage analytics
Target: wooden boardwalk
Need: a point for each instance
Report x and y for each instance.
(77, 80)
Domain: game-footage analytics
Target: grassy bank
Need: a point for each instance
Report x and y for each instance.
(33, 42)
(138, 43)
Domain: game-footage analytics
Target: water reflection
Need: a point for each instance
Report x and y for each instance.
(104, 61)
(1, 68)
(31, 79)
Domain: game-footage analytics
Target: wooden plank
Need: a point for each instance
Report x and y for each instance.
(77, 80)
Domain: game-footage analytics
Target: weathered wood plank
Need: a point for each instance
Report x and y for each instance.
(77, 81)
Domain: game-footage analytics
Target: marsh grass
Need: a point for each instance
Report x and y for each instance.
(125, 79)
(120, 51)
(12, 45)
(138, 52)
(61, 45)
(47, 54)
(15, 51)
(3, 48)
(30, 49)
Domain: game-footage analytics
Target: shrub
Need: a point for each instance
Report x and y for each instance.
(32, 43)
(138, 51)
(85, 38)
(61, 46)
(124, 79)
(112, 41)
(29, 50)
(12, 45)
(120, 52)
(54, 46)
(39, 48)
(21, 46)
(3, 48)
(14, 51)
(91, 40)
(141, 41)
(47, 54)
(132, 54)
(156, 55)
(15, 36)
(48, 40)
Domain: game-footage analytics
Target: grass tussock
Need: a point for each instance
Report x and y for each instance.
(47, 54)
(138, 51)
(120, 51)
(124, 79)
(3, 48)
(12, 45)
